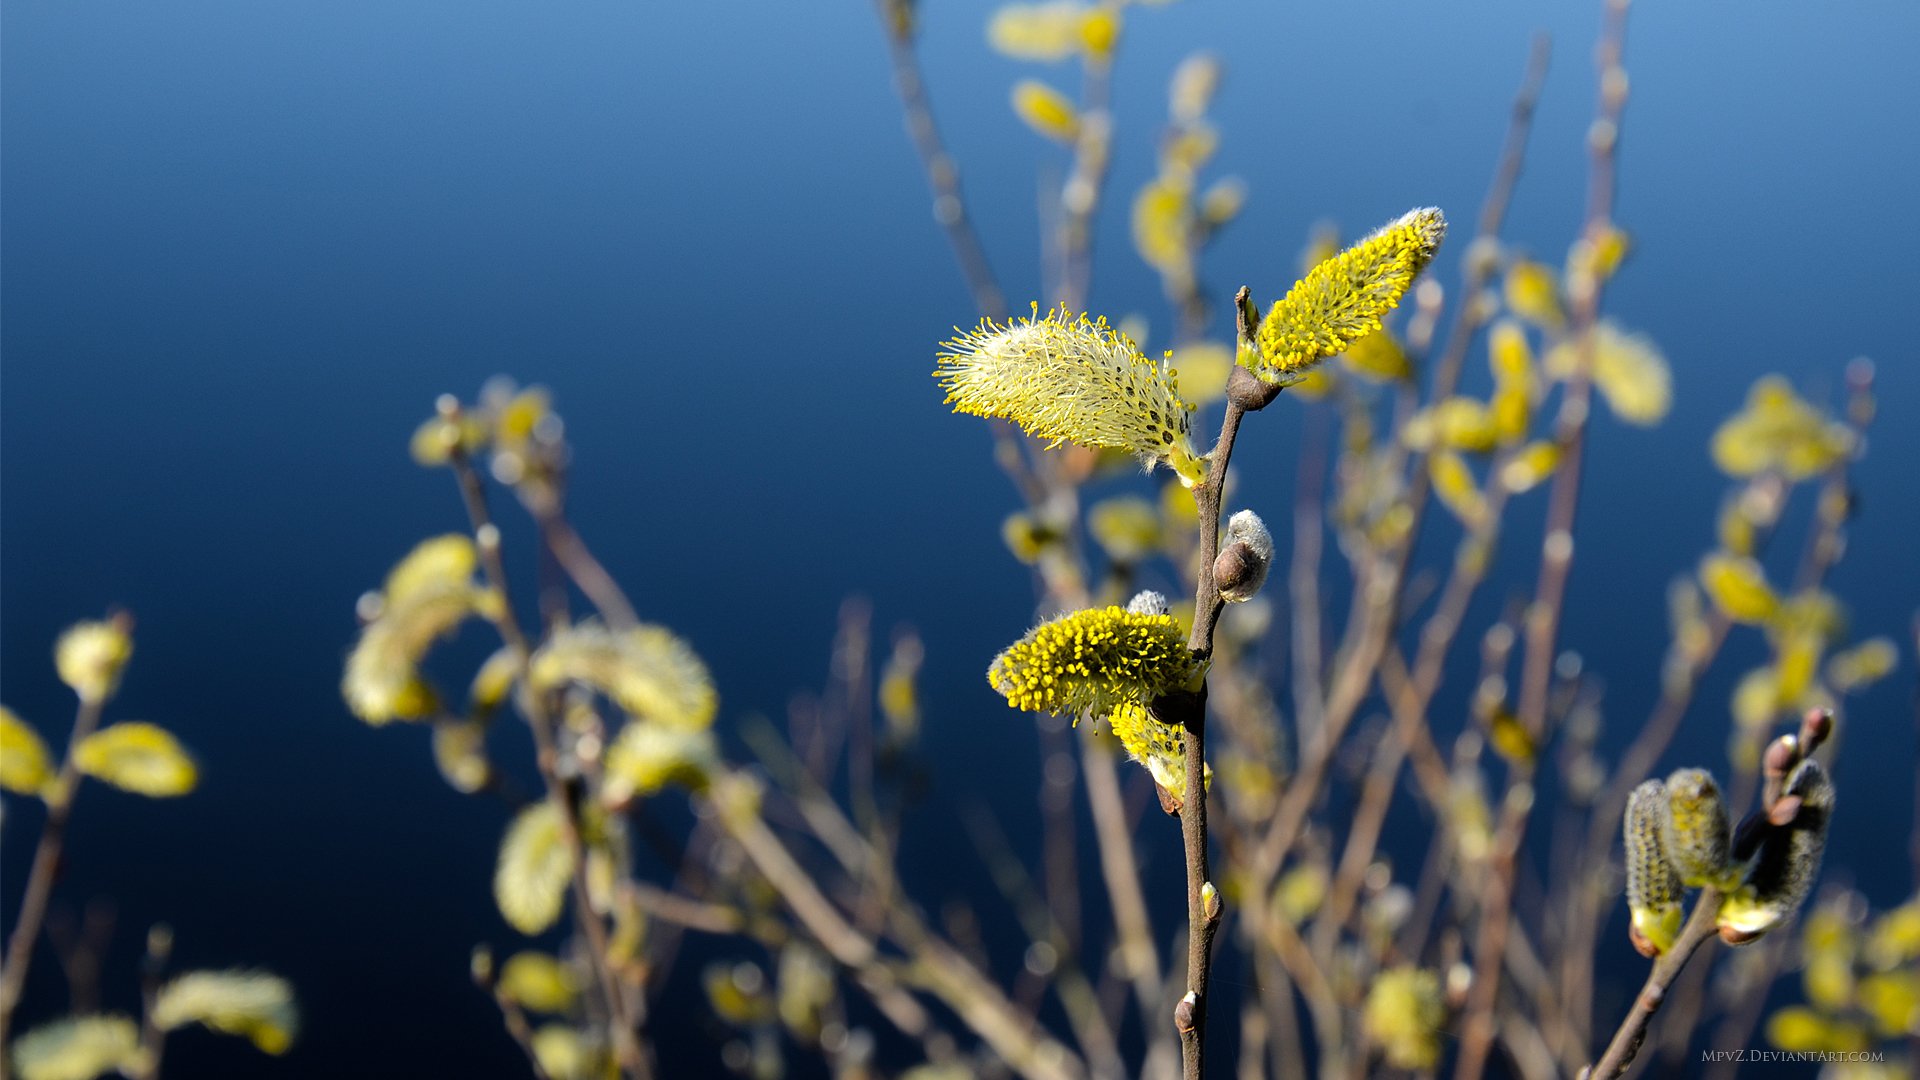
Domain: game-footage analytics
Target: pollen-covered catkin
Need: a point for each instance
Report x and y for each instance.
(1653, 888)
(1092, 661)
(1068, 378)
(1788, 862)
(1155, 744)
(1695, 828)
(1341, 300)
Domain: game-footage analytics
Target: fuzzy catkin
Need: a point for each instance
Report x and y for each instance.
(1341, 300)
(1788, 862)
(1068, 378)
(1695, 829)
(1653, 888)
(1092, 661)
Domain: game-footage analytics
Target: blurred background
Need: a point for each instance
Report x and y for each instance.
(244, 246)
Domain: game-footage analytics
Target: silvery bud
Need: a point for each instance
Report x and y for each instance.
(1242, 565)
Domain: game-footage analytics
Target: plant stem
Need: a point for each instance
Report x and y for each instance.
(1633, 1030)
(1189, 709)
(624, 1017)
(46, 866)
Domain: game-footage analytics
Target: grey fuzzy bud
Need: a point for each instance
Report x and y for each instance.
(1148, 602)
(1242, 565)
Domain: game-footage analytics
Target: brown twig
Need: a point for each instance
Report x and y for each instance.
(46, 864)
(1556, 557)
(621, 1008)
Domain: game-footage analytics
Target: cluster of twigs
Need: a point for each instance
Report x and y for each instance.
(796, 854)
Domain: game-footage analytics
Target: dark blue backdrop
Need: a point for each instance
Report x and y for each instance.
(246, 244)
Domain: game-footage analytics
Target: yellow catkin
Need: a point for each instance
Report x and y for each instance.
(1778, 432)
(1379, 356)
(1093, 661)
(1046, 110)
(90, 656)
(1738, 587)
(1530, 465)
(1653, 887)
(25, 766)
(255, 1005)
(1068, 378)
(538, 982)
(1155, 744)
(535, 866)
(1454, 485)
(80, 1048)
(1627, 369)
(1533, 293)
(1695, 831)
(1045, 32)
(1163, 225)
(138, 757)
(1342, 299)
(1405, 1016)
(646, 670)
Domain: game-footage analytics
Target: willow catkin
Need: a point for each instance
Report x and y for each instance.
(1653, 888)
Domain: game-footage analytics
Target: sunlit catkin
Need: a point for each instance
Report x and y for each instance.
(25, 766)
(1093, 661)
(1784, 869)
(1695, 829)
(1653, 888)
(1155, 744)
(1342, 299)
(1405, 1014)
(80, 1046)
(90, 656)
(530, 880)
(255, 1005)
(646, 670)
(1068, 378)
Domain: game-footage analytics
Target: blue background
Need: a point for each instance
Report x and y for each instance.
(246, 244)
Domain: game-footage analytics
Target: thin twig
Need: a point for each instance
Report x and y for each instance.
(620, 1007)
(46, 866)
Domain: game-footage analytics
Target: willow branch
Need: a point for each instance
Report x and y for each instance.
(46, 866)
(620, 1007)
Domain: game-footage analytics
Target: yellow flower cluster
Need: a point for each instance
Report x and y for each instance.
(1159, 746)
(1093, 661)
(138, 757)
(1173, 220)
(1778, 432)
(1694, 830)
(538, 982)
(25, 766)
(426, 597)
(1653, 887)
(1861, 978)
(253, 1004)
(81, 1046)
(648, 671)
(1628, 370)
(1053, 31)
(1342, 299)
(1068, 378)
(534, 869)
(1405, 1016)
(90, 657)
(1047, 111)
